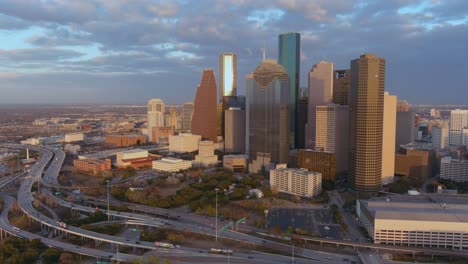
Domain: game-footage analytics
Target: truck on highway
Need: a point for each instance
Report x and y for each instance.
(163, 245)
(221, 251)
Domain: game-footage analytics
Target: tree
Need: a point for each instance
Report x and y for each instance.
(51, 255)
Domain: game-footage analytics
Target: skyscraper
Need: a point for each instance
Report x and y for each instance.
(440, 135)
(156, 110)
(389, 136)
(458, 121)
(289, 50)
(234, 141)
(366, 100)
(320, 93)
(205, 107)
(402, 106)
(267, 112)
(227, 75)
(332, 125)
(341, 87)
(187, 114)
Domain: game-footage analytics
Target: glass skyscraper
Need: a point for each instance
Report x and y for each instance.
(267, 112)
(289, 48)
(227, 75)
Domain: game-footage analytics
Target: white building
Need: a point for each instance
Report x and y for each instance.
(171, 165)
(156, 110)
(124, 158)
(296, 181)
(74, 137)
(440, 135)
(458, 121)
(184, 142)
(454, 169)
(206, 155)
(430, 220)
(389, 137)
(256, 193)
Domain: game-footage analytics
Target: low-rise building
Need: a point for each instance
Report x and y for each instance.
(118, 141)
(454, 169)
(92, 166)
(261, 163)
(235, 163)
(415, 160)
(184, 142)
(74, 137)
(256, 193)
(135, 158)
(319, 161)
(296, 181)
(171, 165)
(206, 155)
(430, 220)
(160, 135)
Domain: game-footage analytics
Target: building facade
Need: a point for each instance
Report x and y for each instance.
(366, 98)
(92, 166)
(433, 221)
(405, 128)
(440, 134)
(171, 165)
(234, 130)
(184, 142)
(267, 112)
(289, 56)
(454, 169)
(156, 110)
(187, 114)
(206, 156)
(320, 93)
(227, 75)
(458, 121)
(415, 160)
(205, 108)
(118, 141)
(135, 158)
(318, 161)
(235, 163)
(341, 87)
(296, 181)
(331, 130)
(389, 138)
(161, 134)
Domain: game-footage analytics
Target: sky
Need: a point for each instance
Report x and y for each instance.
(128, 51)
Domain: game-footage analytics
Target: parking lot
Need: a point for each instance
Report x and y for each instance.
(314, 221)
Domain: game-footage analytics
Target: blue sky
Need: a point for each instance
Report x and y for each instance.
(127, 51)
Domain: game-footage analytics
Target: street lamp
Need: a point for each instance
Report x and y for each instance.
(216, 223)
(108, 215)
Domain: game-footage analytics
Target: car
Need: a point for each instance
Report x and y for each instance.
(199, 251)
(250, 257)
(345, 259)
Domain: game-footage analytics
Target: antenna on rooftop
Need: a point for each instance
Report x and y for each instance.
(264, 50)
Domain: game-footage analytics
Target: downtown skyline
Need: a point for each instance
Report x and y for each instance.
(128, 52)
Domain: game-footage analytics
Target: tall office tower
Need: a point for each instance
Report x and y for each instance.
(267, 112)
(156, 110)
(331, 130)
(205, 107)
(227, 75)
(289, 52)
(366, 98)
(440, 135)
(320, 93)
(187, 114)
(458, 121)
(234, 140)
(301, 121)
(341, 87)
(389, 138)
(402, 106)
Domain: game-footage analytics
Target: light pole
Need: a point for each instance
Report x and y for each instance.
(108, 215)
(216, 223)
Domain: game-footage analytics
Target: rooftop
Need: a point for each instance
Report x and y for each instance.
(171, 160)
(436, 207)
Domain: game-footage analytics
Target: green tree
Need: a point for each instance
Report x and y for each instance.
(51, 255)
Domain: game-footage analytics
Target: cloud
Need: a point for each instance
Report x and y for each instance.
(9, 75)
(37, 54)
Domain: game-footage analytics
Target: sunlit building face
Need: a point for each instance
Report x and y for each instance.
(228, 75)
